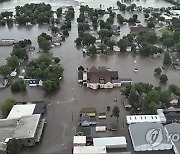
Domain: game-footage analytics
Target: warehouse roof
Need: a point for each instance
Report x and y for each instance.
(27, 126)
(19, 128)
(109, 141)
(21, 110)
(141, 136)
(79, 140)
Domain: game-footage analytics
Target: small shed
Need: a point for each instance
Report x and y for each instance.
(88, 111)
(100, 128)
(102, 115)
(79, 141)
(111, 142)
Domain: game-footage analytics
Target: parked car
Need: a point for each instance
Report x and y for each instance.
(126, 104)
(14, 73)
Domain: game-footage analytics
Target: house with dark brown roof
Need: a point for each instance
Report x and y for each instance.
(101, 78)
(140, 28)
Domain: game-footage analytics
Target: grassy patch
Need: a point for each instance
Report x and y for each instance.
(166, 30)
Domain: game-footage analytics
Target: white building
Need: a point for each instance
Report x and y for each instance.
(79, 141)
(132, 119)
(110, 142)
(141, 136)
(19, 111)
(23, 123)
(89, 150)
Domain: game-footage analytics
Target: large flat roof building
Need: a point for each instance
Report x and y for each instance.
(140, 134)
(22, 124)
(21, 110)
(110, 142)
(20, 128)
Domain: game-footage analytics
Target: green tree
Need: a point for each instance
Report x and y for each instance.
(126, 90)
(92, 50)
(88, 39)
(167, 59)
(168, 42)
(103, 48)
(54, 29)
(157, 71)
(120, 19)
(123, 44)
(5, 70)
(163, 78)
(151, 108)
(108, 108)
(153, 96)
(103, 33)
(19, 52)
(78, 41)
(18, 86)
(59, 12)
(13, 146)
(13, 62)
(174, 89)
(45, 45)
(56, 60)
(116, 112)
(7, 106)
(50, 85)
(164, 97)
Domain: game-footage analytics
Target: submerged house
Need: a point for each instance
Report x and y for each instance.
(7, 42)
(101, 78)
(35, 82)
(3, 82)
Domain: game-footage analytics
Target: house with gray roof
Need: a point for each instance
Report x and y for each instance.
(149, 137)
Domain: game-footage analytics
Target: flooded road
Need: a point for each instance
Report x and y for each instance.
(62, 108)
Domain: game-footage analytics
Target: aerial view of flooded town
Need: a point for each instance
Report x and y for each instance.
(90, 76)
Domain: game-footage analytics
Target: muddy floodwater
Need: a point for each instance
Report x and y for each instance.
(62, 108)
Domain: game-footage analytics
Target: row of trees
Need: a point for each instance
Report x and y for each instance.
(146, 98)
(44, 69)
(19, 53)
(44, 42)
(162, 77)
(35, 14)
(18, 86)
(123, 7)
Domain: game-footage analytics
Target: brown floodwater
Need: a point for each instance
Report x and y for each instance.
(62, 108)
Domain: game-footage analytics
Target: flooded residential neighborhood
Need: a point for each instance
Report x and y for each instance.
(63, 105)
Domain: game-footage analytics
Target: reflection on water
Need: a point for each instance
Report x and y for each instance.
(61, 104)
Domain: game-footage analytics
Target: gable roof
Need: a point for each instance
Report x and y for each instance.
(95, 74)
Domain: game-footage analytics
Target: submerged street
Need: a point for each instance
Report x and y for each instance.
(63, 106)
